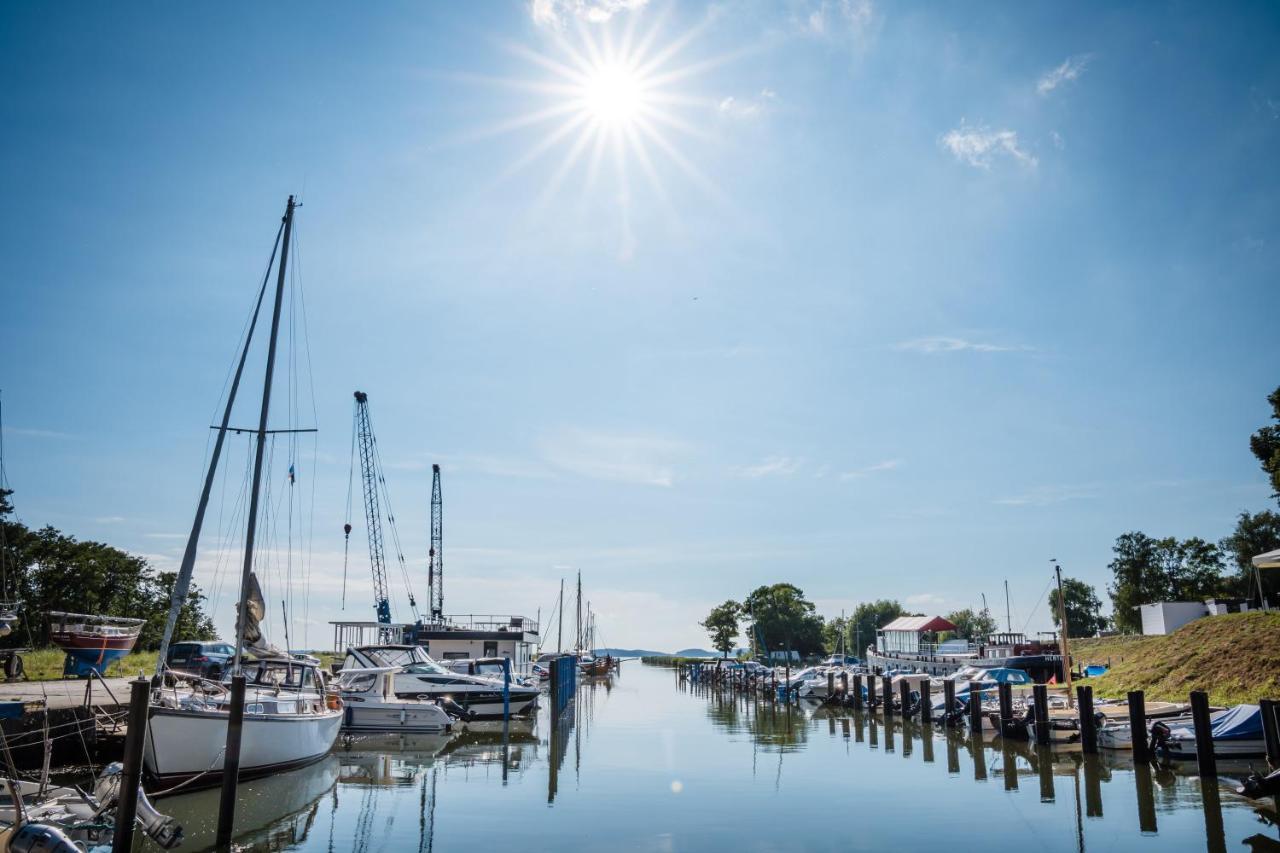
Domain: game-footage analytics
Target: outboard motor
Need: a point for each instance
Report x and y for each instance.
(1160, 732)
(1257, 786)
(163, 830)
(453, 709)
(41, 838)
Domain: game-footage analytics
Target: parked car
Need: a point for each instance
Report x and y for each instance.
(207, 659)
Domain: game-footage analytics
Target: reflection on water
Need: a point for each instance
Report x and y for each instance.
(651, 765)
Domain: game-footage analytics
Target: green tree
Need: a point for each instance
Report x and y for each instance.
(784, 620)
(1146, 570)
(1254, 534)
(1265, 444)
(869, 616)
(835, 635)
(1082, 605)
(973, 626)
(722, 625)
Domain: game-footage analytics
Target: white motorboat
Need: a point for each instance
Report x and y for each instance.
(420, 677)
(1237, 733)
(370, 704)
(288, 722)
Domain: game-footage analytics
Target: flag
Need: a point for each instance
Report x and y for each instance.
(1053, 679)
(291, 474)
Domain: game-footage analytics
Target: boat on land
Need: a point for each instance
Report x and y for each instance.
(371, 705)
(92, 643)
(417, 676)
(289, 721)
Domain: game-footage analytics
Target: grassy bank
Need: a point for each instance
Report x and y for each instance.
(672, 660)
(46, 664)
(1234, 658)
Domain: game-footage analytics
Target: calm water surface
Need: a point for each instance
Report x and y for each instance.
(642, 764)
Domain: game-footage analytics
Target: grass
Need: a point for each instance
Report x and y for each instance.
(46, 664)
(1234, 658)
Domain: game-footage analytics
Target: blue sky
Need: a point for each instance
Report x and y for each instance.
(887, 300)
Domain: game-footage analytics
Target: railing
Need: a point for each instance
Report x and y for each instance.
(491, 622)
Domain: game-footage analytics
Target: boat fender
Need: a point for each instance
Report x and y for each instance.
(41, 838)
(333, 702)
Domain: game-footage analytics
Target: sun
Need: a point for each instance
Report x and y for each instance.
(614, 93)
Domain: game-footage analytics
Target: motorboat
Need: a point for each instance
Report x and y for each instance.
(288, 722)
(371, 705)
(420, 677)
(488, 667)
(92, 643)
(1237, 733)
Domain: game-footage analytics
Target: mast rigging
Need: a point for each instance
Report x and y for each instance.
(435, 557)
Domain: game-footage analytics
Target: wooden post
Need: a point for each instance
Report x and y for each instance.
(949, 696)
(857, 691)
(231, 766)
(135, 737)
(844, 685)
(904, 696)
(926, 703)
(1088, 726)
(1041, 695)
(1138, 726)
(975, 708)
(1204, 735)
(1005, 692)
(1270, 730)
(871, 691)
(831, 684)
(886, 684)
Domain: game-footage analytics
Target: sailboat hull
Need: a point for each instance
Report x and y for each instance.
(183, 745)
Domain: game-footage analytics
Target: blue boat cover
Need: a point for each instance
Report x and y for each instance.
(1243, 722)
(1094, 669)
(11, 710)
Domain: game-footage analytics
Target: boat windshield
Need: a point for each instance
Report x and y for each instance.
(279, 673)
(427, 667)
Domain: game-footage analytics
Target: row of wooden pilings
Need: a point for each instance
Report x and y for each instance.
(850, 689)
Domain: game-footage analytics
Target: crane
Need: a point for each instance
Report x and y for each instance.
(435, 561)
(375, 493)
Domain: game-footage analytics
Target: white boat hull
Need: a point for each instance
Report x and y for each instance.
(1185, 750)
(423, 717)
(181, 745)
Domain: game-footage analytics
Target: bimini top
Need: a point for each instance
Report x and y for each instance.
(919, 624)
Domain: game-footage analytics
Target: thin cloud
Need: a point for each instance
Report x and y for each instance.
(1046, 495)
(771, 466)
(39, 433)
(924, 599)
(1069, 70)
(748, 108)
(555, 13)
(934, 345)
(981, 146)
(110, 519)
(857, 473)
(837, 19)
(622, 457)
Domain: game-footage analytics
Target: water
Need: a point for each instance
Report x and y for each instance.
(644, 765)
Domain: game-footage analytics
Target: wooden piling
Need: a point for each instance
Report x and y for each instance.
(131, 775)
(1005, 692)
(949, 696)
(1271, 730)
(904, 696)
(886, 684)
(1088, 726)
(831, 684)
(1041, 696)
(844, 685)
(857, 691)
(871, 691)
(1138, 726)
(975, 708)
(926, 703)
(1204, 735)
(231, 766)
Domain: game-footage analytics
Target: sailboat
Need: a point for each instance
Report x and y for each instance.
(288, 720)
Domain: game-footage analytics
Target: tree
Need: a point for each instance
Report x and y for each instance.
(1265, 444)
(784, 620)
(1254, 534)
(1147, 570)
(867, 617)
(1082, 605)
(834, 634)
(722, 624)
(973, 626)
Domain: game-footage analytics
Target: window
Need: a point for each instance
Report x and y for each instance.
(490, 648)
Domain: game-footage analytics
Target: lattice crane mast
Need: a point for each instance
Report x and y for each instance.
(435, 562)
(375, 494)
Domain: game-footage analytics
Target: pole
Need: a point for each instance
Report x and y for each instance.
(1008, 613)
(1041, 694)
(1066, 648)
(1138, 726)
(231, 759)
(1205, 758)
(506, 691)
(135, 737)
(1088, 725)
(560, 619)
(975, 708)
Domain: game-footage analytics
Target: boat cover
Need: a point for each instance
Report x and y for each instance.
(1243, 722)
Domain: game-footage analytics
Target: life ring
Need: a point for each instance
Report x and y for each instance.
(333, 701)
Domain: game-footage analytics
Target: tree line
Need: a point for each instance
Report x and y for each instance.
(1144, 570)
(46, 569)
